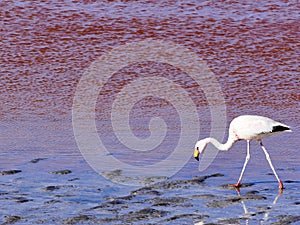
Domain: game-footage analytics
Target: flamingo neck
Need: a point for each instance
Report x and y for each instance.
(223, 147)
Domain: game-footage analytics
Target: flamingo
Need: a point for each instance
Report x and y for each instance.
(246, 127)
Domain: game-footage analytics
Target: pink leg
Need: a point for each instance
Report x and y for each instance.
(271, 165)
(238, 184)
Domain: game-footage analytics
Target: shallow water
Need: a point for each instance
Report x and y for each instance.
(252, 51)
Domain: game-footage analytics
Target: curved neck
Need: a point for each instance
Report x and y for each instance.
(220, 146)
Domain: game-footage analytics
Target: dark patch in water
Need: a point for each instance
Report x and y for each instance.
(57, 187)
(79, 219)
(62, 172)
(231, 221)
(286, 219)
(37, 160)
(172, 201)
(74, 179)
(191, 217)
(223, 203)
(140, 215)
(11, 219)
(145, 191)
(10, 172)
(21, 199)
(231, 187)
(204, 196)
(176, 184)
(51, 188)
(52, 202)
(232, 200)
(111, 204)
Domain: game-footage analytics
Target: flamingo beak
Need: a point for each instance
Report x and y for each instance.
(196, 154)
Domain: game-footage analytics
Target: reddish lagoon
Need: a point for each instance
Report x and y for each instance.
(252, 50)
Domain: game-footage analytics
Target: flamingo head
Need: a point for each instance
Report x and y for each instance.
(199, 148)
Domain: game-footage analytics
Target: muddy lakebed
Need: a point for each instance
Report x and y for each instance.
(35, 193)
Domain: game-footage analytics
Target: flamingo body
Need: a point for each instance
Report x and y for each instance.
(251, 127)
(246, 127)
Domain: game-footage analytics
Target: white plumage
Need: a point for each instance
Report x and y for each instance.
(246, 127)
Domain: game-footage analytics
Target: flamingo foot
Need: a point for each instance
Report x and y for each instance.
(281, 185)
(237, 185)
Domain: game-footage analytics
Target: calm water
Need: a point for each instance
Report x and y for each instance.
(251, 48)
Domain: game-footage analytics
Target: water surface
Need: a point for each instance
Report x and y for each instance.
(253, 50)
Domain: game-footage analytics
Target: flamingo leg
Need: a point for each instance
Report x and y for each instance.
(271, 165)
(238, 184)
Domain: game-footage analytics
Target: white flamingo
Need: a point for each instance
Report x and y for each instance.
(246, 127)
